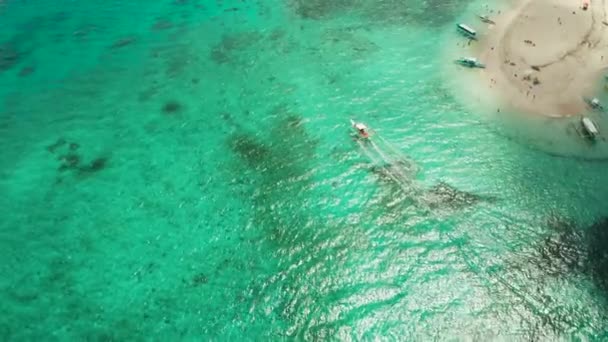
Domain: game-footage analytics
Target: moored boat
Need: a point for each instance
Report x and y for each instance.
(467, 31)
(590, 128)
(594, 103)
(485, 19)
(470, 62)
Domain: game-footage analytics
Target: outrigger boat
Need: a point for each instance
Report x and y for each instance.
(467, 31)
(361, 129)
(589, 128)
(594, 103)
(485, 19)
(470, 62)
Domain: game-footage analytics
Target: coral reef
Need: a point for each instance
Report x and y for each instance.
(444, 195)
(571, 248)
(66, 153)
(172, 107)
(120, 43)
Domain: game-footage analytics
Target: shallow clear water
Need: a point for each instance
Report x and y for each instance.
(185, 169)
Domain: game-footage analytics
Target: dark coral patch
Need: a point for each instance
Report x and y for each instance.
(57, 144)
(575, 249)
(199, 279)
(390, 12)
(9, 56)
(249, 149)
(220, 56)
(123, 42)
(563, 251)
(226, 116)
(147, 94)
(162, 25)
(60, 17)
(84, 31)
(69, 162)
(445, 195)
(228, 49)
(172, 107)
(387, 171)
(96, 165)
(319, 9)
(28, 70)
(597, 256)
(443, 12)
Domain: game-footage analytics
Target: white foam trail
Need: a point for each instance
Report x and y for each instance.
(382, 164)
(368, 153)
(390, 146)
(399, 155)
(393, 164)
(389, 166)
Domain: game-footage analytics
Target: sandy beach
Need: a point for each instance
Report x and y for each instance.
(544, 56)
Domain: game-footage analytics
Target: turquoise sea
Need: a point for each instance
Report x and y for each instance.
(185, 170)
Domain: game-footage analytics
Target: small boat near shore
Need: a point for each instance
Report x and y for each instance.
(467, 31)
(470, 62)
(589, 128)
(486, 20)
(594, 103)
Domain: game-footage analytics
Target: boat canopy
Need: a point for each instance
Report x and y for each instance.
(590, 126)
(467, 29)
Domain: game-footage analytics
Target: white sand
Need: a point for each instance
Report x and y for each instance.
(569, 47)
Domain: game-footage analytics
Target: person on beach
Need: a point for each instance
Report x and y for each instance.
(586, 4)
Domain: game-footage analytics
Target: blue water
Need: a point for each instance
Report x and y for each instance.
(184, 170)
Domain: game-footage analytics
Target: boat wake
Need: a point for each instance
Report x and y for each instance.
(395, 168)
(390, 163)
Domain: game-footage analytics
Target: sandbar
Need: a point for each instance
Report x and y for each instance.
(544, 56)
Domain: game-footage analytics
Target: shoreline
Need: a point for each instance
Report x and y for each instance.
(543, 56)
